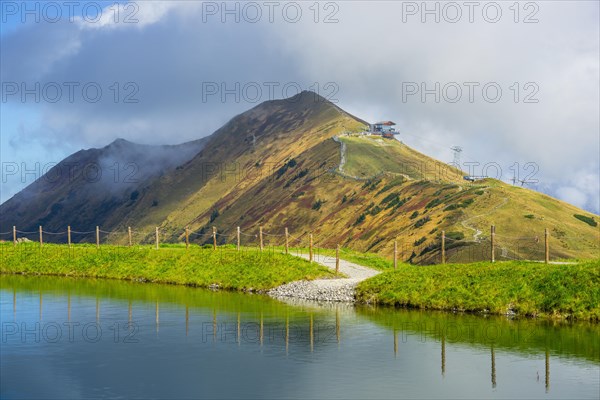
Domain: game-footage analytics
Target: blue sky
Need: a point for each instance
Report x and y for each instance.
(369, 57)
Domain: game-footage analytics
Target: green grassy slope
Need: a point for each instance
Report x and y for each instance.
(531, 289)
(277, 165)
(368, 215)
(248, 269)
(370, 155)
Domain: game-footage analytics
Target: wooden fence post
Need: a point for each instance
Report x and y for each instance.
(443, 247)
(395, 255)
(337, 259)
(129, 235)
(286, 240)
(97, 237)
(310, 248)
(493, 244)
(547, 246)
(238, 238)
(214, 238)
(157, 242)
(260, 237)
(69, 235)
(187, 238)
(14, 235)
(41, 239)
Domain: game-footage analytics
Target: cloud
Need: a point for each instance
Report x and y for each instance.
(131, 15)
(555, 61)
(581, 189)
(152, 77)
(572, 195)
(165, 60)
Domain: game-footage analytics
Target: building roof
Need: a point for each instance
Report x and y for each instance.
(387, 123)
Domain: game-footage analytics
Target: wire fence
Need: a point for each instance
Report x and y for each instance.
(159, 237)
(544, 247)
(444, 249)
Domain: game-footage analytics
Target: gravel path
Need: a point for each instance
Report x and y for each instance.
(342, 153)
(337, 289)
(477, 231)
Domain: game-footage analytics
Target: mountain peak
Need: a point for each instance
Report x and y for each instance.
(120, 142)
(308, 95)
(306, 107)
(300, 101)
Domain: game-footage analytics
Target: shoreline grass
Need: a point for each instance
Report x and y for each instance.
(226, 268)
(568, 291)
(520, 288)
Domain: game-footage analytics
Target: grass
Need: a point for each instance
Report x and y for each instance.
(525, 288)
(248, 270)
(368, 156)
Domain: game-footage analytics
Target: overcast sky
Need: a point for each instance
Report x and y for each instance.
(162, 68)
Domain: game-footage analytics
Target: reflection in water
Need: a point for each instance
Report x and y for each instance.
(524, 336)
(310, 329)
(157, 320)
(443, 355)
(463, 336)
(338, 328)
(187, 319)
(287, 333)
(493, 366)
(312, 336)
(337, 325)
(547, 370)
(214, 325)
(238, 336)
(261, 329)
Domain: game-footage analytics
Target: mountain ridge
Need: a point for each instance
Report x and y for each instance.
(276, 165)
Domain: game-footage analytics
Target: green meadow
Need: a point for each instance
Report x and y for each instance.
(248, 270)
(522, 288)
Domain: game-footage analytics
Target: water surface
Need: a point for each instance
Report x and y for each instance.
(82, 338)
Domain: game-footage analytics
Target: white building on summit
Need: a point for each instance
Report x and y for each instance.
(383, 127)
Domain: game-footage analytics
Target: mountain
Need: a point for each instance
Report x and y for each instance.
(93, 187)
(298, 163)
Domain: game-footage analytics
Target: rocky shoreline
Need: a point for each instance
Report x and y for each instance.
(313, 290)
(326, 290)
